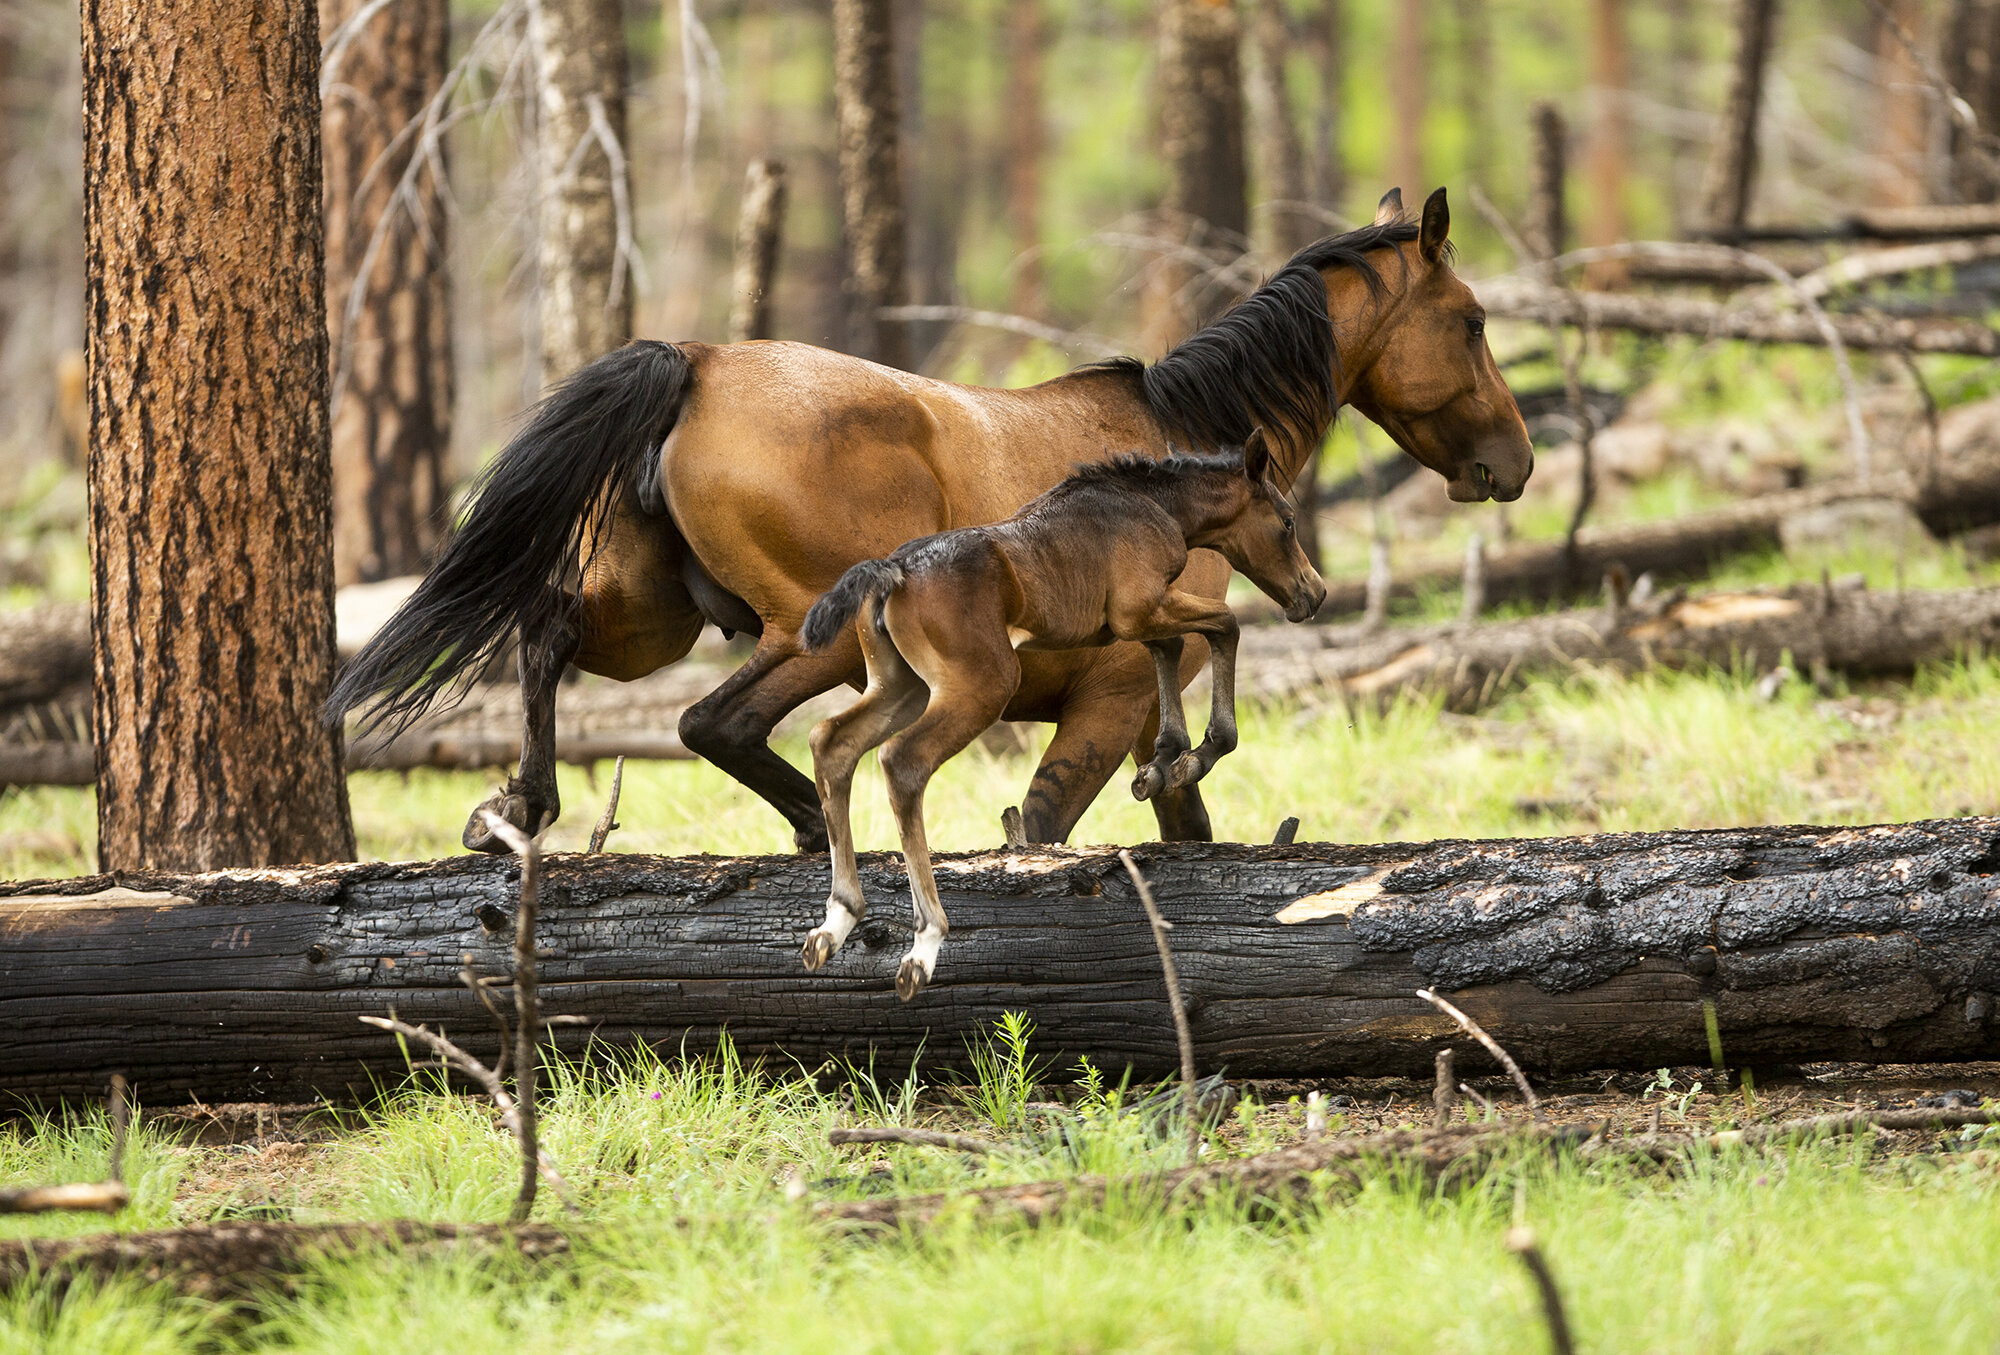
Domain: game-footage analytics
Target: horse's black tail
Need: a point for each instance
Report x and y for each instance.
(869, 580)
(504, 565)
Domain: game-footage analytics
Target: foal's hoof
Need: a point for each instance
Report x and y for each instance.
(910, 978)
(511, 804)
(1151, 780)
(818, 949)
(1187, 770)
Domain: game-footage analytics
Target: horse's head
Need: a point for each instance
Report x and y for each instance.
(1431, 382)
(1260, 538)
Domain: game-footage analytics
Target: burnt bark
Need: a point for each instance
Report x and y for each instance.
(1303, 960)
(211, 496)
(388, 290)
(1731, 181)
(1847, 630)
(1206, 205)
(585, 292)
(865, 97)
(760, 230)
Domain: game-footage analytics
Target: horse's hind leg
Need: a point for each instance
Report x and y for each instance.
(530, 800)
(895, 696)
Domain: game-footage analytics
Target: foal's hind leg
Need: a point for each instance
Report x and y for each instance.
(895, 696)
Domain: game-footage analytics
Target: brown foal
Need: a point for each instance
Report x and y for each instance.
(1091, 562)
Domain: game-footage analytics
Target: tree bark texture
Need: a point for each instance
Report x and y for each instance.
(1971, 53)
(1519, 299)
(760, 231)
(1409, 100)
(1474, 19)
(388, 292)
(586, 292)
(1283, 227)
(1028, 25)
(1846, 630)
(1732, 171)
(1548, 172)
(1609, 148)
(1327, 40)
(211, 496)
(1206, 205)
(871, 188)
(1595, 952)
(1901, 126)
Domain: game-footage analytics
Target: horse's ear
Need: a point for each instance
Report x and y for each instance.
(1390, 209)
(1256, 456)
(1435, 229)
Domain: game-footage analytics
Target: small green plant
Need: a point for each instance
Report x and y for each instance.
(1676, 1105)
(1006, 1074)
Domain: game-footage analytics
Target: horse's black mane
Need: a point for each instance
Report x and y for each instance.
(1269, 360)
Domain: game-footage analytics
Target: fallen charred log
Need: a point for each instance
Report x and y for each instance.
(1596, 952)
(1818, 627)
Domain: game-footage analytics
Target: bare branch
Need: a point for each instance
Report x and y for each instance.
(1506, 1060)
(527, 1030)
(922, 1138)
(607, 823)
(95, 1197)
(1521, 1241)
(1181, 1031)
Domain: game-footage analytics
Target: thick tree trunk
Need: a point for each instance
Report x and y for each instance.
(585, 291)
(1281, 159)
(1972, 65)
(1548, 173)
(760, 229)
(1902, 112)
(1519, 299)
(1609, 146)
(1409, 100)
(1843, 630)
(1595, 952)
(1732, 171)
(864, 86)
(1201, 141)
(388, 291)
(1026, 146)
(1327, 40)
(210, 504)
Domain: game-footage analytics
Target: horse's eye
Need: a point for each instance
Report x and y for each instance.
(1475, 326)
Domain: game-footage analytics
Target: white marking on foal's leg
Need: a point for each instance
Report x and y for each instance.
(825, 940)
(920, 964)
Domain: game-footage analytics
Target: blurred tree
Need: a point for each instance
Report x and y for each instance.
(1732, 171)
(1903, 102)
(582, 181)
(1026, 136)
(1409, 101)
(1327, 41)
(211, 497)
(1547, 233)
(1610, 142)
(864, 86)
(1972, 65)
(1282, 225)
(1475, 88)
(1206, 205)
(388, 328)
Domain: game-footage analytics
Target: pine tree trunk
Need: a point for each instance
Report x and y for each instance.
(1201, 140)
(1475, 73)
(389, 332)
(1027, 34)
(1548, 167)
(1409, 98)
(1328, 41)
(1732, 174)
(864, 86)
(1902, 117)
(1281, 158)
(760, 230)
(1970, 51)
(586, 295)
(211, 495)
(1610, 140)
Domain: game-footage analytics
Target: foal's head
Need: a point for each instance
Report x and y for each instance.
(1255, 529)
(1432, 384)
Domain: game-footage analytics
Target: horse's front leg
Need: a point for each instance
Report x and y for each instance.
(530, 800)
(1172, 740)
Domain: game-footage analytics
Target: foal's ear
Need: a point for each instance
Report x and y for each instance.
(1436, 228)
(1390, 209)
(1256, 456)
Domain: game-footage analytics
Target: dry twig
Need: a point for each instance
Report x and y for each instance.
(608, 822)
(526, 1027)
(1521, 1241)
(1181, 1031)
(1506, 1060)
(922, 1138)
(1442, 1096)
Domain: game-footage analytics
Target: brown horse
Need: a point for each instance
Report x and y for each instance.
(665, 487)
(1089, 563)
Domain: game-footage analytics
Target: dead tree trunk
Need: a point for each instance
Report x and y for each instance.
(1281, 159)
(1732, 172)
(1475, 88)
(211, 500)
(1327, 40)
(582, 180)
(1409, 100)
(1201, 140)
(864, 86)
(388, 291)
(760, 228)
(1609, 146)
(1026, 144)
(1548, 171)
(1299, 961)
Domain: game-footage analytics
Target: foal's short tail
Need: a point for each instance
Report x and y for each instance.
(871, 580)
(529, 523)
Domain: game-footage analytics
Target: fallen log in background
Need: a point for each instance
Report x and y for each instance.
(1595, 952)
(1844, 629)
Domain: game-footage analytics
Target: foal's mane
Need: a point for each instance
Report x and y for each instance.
(1269, 359)
(1135, 470)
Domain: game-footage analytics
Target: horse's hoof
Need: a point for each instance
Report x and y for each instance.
(818, 949)
(810, 841)
(910, 978)
(510, 804)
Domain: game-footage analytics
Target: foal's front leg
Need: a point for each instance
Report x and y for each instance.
(1175, 615)
(1172, 740)
(1221, 735)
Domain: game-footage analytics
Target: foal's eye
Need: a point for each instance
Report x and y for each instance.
(1475, 326)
